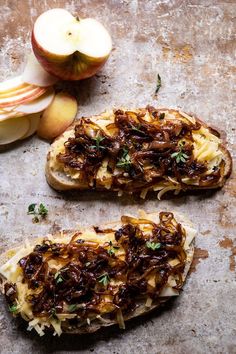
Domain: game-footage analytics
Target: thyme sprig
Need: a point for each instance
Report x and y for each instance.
(98, 141)
(179, 155)
(125, 160)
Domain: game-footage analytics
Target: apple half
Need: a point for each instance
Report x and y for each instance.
(68, 47)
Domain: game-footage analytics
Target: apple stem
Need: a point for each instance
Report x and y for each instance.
(77, 18)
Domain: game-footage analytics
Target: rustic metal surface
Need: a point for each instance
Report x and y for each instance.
(191, 44)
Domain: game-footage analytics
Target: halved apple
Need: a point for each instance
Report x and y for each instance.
(68, 47)
(33, 124)
(36, 75)
(13, 129)
(22, 97)
(58, 116)
(38, 104)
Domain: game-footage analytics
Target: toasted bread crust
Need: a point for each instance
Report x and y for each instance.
(61, 182)
(141, 308)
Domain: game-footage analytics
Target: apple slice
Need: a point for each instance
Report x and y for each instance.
(33, 124)
(36, 75)
(38, 104)
(13, 129)
(58, 116)
(11, 84)
(70, 48)
(22, 97)
(6, 115)
(18, 91)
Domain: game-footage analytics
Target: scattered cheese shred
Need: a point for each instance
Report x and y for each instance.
(120, 319)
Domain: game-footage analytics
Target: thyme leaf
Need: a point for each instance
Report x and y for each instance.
(179, 155)
(162, 115)
(41, 211)
(13, 308)
(158, 84)
(31, 208)
(104, 279)
(137, 129)
(58, 277)
(125, 160)
(98, 141)
(153, 245)
(72, 307)
(112, 248)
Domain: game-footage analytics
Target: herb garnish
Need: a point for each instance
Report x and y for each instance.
(162, 115)
(58, 278)
(13, 308)
(180, 155)
(31, 208)
(104, 279)
(124, 161)
(112, 249)
(137, 129)
(98, 140)
(153, 245)
(158, 84)
(72, 307)
(53, 314)
(42, 211)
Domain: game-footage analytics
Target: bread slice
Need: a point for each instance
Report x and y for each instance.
(12, 273)
(203, 150)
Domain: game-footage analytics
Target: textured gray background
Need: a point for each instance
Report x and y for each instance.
(192, 45)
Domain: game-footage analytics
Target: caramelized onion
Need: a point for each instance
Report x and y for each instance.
(139, 143)
(89, 271)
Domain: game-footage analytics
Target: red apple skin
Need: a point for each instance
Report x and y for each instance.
(33, 94)
(74, 67)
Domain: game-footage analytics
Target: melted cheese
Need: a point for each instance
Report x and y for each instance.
(13, 273)
(206, 150)
(207, 147)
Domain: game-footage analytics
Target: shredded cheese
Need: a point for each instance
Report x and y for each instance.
(206, 150)
(12, 272)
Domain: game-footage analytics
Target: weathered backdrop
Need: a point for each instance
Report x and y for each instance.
(192, 45)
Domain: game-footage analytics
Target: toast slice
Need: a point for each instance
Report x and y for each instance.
(79, 281)
(138, 151)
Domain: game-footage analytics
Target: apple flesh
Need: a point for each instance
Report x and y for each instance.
(70, 48)
(13, 129)
(11, 84)
(33, 124)
(38, 104)
(18, 91)
(58, 116)
(24, 97)
(35, 74)
(4, 115)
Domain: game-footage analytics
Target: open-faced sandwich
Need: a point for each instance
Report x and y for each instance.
(138, 151)
(79, 281)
